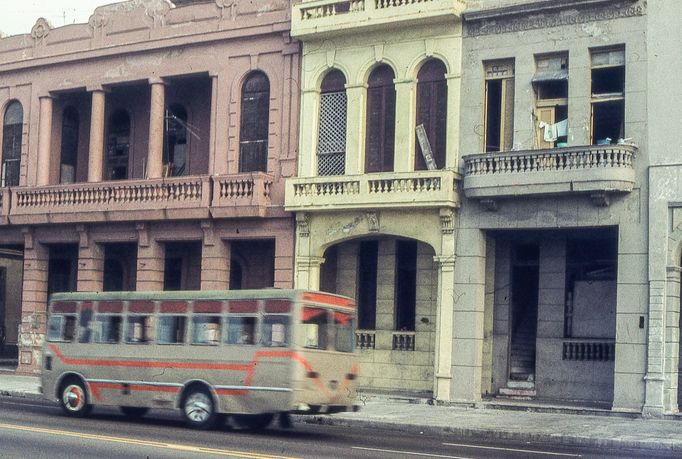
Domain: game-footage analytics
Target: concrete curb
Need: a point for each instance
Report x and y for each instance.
(657, 444)
(21, 394)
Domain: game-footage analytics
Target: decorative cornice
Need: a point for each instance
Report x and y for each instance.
(546, 14)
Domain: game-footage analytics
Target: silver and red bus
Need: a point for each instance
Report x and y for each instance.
(249, 354)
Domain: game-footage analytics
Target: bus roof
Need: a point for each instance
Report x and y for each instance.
(192, 295)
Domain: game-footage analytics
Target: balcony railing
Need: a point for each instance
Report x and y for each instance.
(320, 16)
(381, 190)
(587, 169)
(589, 350)
(151, 199)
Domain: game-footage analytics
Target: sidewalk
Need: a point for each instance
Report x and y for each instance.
(600, 428)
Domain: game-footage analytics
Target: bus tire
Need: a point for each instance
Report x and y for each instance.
(73, 397)
(134, 412)
(198, 408)
(253, 421)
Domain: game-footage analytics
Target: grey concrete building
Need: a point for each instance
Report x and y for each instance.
(552, 297)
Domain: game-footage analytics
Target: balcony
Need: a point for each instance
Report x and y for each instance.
(596, 170)
(397, 190)
(176, 198)
(327, 17)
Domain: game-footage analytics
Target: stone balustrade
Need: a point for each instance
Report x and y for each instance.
(189, 197)
(319, 16)
(587, 169)
(404, 341)
(365, 339)
(419, 189)
(589, 350)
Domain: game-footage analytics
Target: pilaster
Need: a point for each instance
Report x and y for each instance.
(215, 260)
(151, 259)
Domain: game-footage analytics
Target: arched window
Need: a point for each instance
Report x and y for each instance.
(331, 139)
(175, 147)
(69, 149)
(432, 108)
(253, 133)
(118, 145)
(11, 143)
(380, 140)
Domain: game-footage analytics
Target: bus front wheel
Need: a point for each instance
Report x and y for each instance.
(74, 398)
(199, 409)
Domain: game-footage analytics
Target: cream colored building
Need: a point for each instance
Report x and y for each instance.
(373, 220)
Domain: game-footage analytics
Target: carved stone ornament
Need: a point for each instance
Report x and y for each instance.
(303, 224)
(157, 9)
(225, 5)
(372, 222)
(41, 29)
(98, 21)
(447, 221)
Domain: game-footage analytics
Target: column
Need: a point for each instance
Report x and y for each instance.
(308, 272)
(217, 162)
(156, 129)
(151, 260)
(215, 260)
(310, 120)
(355, 128)
(405, 120)
(444, 325)
(284, 260)
(452, 140)
(33, 304)
(96, 154)
(672, 347)
(90, 277)
(44, 141)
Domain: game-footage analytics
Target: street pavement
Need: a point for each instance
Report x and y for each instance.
(515, 422)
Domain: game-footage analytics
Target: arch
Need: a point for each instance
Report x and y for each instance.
(432, 108)
(12, 138)
(254, 122)
(69, 145)
(118, 145)
(381, 119)
(176, 141)
(322, 71)
(369, 67)
(422, 59)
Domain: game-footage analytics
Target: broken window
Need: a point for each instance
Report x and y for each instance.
(175, 142)
(432, 106)
(608, 95)
(253, 133)
(550, 84)
(380, 141)
(499, 105)
(331, 139)
(11, 143)
(69, 147)
(118, 145)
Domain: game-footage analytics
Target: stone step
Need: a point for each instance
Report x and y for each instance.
(518, 393)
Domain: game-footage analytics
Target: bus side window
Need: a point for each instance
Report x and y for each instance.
(85, 326)
(275, 331)
(344, 332)
(315, 328)
(171, 330)
(107, 329)
(140, 329)
(206, 330)
(61, 328)
(241, 330)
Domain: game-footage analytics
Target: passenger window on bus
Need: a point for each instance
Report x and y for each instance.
(171, 330)
(61, 328)
(206, 330)
(84, 326)
(107, 329)
(344, 333)
(241, 330)
(315, 328)
(140, 329)
(275, 331)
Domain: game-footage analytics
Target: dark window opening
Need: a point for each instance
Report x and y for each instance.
(608, 96)
(493, 115)
(175, 146)
(379, 144)
(235, 275)
(120, 267)
(253, 133)
(69, 145)
(118, 145)
(552, 89)
(62, 268)
(432, 104)
(405, 285)
(182, 267)
(608, 121)
(11, 144)
(256, 263)
(608, 80)
(328, 271)
(368, 257)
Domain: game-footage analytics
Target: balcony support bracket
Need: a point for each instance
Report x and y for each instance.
(600, 199)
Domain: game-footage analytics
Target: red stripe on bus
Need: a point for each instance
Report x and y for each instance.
(234, 392)
(328, 299)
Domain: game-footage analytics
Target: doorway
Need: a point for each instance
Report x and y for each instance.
(524, 312)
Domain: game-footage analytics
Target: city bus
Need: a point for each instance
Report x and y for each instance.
(246, 354)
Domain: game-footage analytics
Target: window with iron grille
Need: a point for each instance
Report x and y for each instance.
(432, 104)
(11, 143)
(253, 133)
(331, 140)
(380, 141)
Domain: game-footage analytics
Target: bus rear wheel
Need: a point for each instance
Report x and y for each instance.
(253, 421)
(199, 409)
(74, 398)
(134, 412)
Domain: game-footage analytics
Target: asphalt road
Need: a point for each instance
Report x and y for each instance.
(36, 429)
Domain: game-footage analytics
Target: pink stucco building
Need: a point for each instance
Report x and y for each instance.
(145, 150)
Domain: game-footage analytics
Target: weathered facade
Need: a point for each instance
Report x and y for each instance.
(552, 240)
(145, 150)
(373, 220)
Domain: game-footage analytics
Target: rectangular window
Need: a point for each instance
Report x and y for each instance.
(61, 329)
(499, 105)
(608, 95)
(171, 330)
(550, 85)
(344, 333)
(241, 330)
(367, 284)
(206, 330)
(315, 328)
(106, 329)
(275, 331)
(405, 285)
(140, 329)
